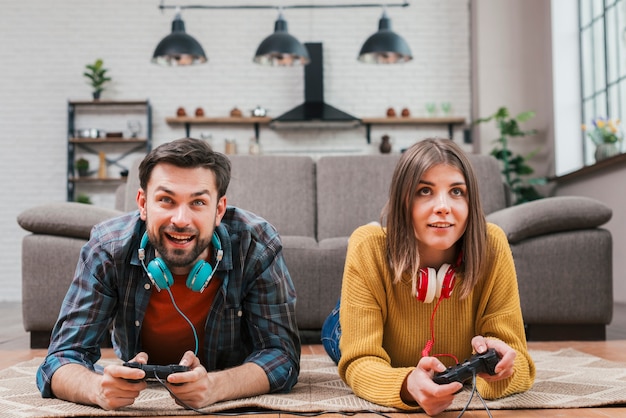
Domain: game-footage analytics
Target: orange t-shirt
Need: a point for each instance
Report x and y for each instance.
(165, 334)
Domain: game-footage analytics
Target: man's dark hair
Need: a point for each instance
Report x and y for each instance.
(187, 153)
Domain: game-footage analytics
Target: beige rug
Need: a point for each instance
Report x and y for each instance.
(565, 379)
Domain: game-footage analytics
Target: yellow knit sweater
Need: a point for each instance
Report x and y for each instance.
(384, 328)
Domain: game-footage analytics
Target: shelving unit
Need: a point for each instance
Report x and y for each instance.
(257, 122)
(125, 146)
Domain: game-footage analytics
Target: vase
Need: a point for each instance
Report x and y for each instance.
(604, 151)
(385, 145)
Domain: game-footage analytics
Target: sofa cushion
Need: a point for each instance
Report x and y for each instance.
(550, 215)
(351, 191)
(69, 219)
(280, 189)
(493, 192)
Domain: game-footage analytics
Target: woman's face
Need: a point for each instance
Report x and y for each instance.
(440, 211)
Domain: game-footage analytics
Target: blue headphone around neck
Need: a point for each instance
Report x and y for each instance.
(198, 278)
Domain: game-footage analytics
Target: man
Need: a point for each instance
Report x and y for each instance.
(224, 303)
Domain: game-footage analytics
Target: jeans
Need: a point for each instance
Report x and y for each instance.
(331, 333)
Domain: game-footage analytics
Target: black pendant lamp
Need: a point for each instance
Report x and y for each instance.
(280, 48)
(385, 46)
(178, 48)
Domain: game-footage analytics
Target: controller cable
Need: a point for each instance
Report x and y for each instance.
(477, 393)
(426, 352)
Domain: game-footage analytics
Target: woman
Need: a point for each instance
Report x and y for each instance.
(432, 287)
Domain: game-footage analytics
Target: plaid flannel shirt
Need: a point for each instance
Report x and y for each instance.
(252, 318)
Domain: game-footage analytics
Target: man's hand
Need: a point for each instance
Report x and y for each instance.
(111, 390)
(198, 389)
(505, 367)
(191, 387)
(419, 387)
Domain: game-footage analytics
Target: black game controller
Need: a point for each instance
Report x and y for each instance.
(152, 371)
(478, 363)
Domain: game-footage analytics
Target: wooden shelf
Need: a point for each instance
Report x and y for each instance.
(108, 102)
(414, 121)
(111, 140)
(227, 120)
(450, 122)
(97, 179)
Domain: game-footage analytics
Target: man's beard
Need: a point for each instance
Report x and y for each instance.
(176, 258)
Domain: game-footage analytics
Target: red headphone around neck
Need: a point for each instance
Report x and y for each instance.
(437, 284)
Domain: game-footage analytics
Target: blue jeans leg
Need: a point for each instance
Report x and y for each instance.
(331, 333)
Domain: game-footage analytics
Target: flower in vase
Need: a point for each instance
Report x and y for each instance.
(604, 131)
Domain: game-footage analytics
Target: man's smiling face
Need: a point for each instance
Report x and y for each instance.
(181, 209)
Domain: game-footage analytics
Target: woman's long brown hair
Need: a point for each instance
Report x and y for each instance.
(402, 245)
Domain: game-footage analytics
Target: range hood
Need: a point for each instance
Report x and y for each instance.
(314, 112)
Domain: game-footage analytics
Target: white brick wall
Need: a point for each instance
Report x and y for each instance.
(45, 46)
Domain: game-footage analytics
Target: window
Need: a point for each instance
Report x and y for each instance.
(602, 25)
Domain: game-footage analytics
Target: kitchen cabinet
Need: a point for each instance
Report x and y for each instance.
(108, 133)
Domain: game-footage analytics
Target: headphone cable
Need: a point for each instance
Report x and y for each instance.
(195, 334)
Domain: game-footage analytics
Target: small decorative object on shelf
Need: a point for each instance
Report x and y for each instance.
(236, 113)
(254, 147)
(230, 146)
(258, 112)
(82, 166)
(181, 112)
(134, 126)
(385, 145)
(96, 73)
(102, 169)
(606, 136)
(431, 109)
(199, 112)
(406, 112)
(446, 108)
(391, 113)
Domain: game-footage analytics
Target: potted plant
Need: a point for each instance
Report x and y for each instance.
(96, 74)
(514, 167)
(83, 198)
(606, 137)
(82, 166)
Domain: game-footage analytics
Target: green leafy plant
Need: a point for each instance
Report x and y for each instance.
(83, 198)
(82, 166)
(514, 166)
(96, 74)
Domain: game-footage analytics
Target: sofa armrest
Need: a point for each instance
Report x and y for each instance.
(549, 215)
(69, 219)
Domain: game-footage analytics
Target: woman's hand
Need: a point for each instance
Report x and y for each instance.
(505, 367)
(419, 387)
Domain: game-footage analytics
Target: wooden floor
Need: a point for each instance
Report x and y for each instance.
(14, 348)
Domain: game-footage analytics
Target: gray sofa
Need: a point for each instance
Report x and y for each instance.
(562, 256)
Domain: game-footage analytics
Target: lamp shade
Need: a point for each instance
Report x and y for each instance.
(385, 46)
(280, 48)
(178, 48)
